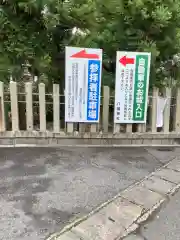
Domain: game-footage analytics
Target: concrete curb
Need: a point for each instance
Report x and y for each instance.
(90, 145)
(47, 138)
(118, 217)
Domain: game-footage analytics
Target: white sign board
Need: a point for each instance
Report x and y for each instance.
(131, 88)
(82, 84)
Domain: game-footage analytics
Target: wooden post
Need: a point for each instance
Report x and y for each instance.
(106, 96)
(141, 128)
(82, 127)
(116, 128)
(93, 128)
(29, 110)
(14, 106)
(42, 107)
(177, 117)
(167, 110)
(2, 113)
(154, 109)
(70, 127)
(129, 128)
(56, 108)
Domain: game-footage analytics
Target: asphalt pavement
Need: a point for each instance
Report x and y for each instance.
(43, 189)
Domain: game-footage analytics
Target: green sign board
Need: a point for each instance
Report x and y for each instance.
(132, 82)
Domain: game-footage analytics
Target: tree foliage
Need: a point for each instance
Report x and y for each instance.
(37, 31)
(141, 25)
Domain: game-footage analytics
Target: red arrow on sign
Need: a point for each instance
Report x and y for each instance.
(84, 54)
(124, 61)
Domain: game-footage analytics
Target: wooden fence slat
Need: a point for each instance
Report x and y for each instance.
(129, 128)
(167, 110)
(82, 127)
(141, 128)
(93, 128)
(56, 108)
(2, 113)
(154, 110)
(14, 106)
(42, 107)
(177, 120)
(70, 127)
(29, 106)
(106, 96)
(116, 128)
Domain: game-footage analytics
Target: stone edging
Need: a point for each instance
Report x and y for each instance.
(118, 217)
(36, 138)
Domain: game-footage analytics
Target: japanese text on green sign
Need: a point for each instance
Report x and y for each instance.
(140, 87)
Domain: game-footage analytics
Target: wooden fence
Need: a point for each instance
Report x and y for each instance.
(35, 104)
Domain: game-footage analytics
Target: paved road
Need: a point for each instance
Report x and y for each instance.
(165, 225)
(44, 188)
